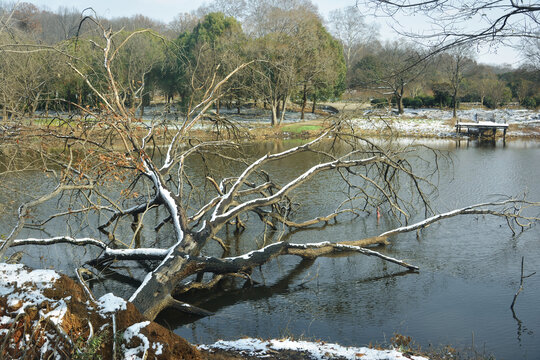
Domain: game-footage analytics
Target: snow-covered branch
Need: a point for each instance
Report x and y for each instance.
(108, 252)
(24, 208)
(229, 196)
(482, 209)
(217, 220)
(256, 258)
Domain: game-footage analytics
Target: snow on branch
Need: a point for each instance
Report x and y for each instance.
(108, 253)
(481, 209)
(24, 208)
(228, 197)
(269, 200)
(259, 257)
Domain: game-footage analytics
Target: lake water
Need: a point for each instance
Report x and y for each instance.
(469, 272)
(469, 267)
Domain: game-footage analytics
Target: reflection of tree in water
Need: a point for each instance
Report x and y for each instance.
(234, 291)
(521, 329)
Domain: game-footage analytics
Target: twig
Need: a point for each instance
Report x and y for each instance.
(79, 272)
(520, 284)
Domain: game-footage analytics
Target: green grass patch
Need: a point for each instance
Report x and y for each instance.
(299, 128)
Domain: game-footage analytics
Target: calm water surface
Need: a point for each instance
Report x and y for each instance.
(469, 268)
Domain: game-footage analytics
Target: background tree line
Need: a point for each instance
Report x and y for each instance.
(301, 58)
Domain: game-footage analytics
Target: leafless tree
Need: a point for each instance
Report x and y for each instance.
(458, 63)
(531, 47)
(150, 163)
(183, 22)
(60, 25)
(349, 26)
(390, 71)
(458, 22)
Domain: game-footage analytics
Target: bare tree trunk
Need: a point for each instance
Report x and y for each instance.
(154, 294)
(35, 103)
(455, 99)
(283, 108)
(399, 101)
(399, 98)
(274, 115)
(304, 102)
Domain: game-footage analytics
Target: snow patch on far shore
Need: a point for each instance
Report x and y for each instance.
(318, 350)
(435, 122)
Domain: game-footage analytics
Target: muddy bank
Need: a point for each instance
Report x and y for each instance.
(44, 314)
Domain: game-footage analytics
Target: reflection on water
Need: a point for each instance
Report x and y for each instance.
(469, 272)
(469, 267)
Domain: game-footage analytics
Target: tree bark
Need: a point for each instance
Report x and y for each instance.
(399, 100)
(283, 109)
(274, 114)
(304, 102)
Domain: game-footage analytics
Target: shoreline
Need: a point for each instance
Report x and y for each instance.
(44, 313)
(414, 123)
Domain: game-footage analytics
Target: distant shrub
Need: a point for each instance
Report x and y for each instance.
(470, 98)
(489, 103)
(427, 101)
(442, 99)
(416, 103)
(529, 102)
(379, 102)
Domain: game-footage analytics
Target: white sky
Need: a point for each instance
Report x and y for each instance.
(166, 10)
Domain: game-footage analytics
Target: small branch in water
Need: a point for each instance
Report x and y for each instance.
(520, 284)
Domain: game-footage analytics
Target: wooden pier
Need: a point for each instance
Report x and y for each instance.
(481, 128)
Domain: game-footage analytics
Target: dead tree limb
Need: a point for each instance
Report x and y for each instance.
(522, 277)
(24, 209)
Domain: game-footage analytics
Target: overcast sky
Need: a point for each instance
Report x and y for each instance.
(166, 10)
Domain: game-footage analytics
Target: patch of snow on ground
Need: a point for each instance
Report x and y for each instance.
(134, 331)
(110, 303)
(57, 314)
(158, 348)
(435, 122)
(406, 125)
(24, 288)
(29, 284)
(322, 351)
(501, 116)
(18, 274)
(5, 320)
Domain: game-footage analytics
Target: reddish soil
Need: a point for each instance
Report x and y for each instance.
(31, 332)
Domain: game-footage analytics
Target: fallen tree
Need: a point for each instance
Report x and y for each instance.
(147, 163)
